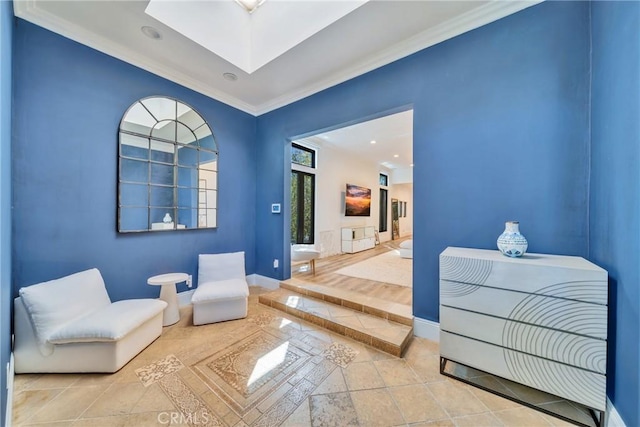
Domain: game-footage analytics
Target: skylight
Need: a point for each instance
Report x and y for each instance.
(250, 40)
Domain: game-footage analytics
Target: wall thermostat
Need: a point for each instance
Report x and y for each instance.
(275, 208)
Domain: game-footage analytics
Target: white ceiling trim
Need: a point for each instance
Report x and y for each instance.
(27, 10)
(449, 29)
(483, 15)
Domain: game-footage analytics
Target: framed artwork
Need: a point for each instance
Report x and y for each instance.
(357, 201)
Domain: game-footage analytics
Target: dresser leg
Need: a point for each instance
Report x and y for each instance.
(594, 413)
(600, 422)
(443, 363)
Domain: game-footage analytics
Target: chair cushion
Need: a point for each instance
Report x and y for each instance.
(220, 290)
(52, 304)
(110, 323)
(407, 244)
(214, 267)
(304, 252)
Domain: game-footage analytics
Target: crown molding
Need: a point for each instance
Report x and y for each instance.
(454, 27)
(28, 10)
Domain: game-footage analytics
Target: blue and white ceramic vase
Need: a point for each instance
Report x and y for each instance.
(511, 243)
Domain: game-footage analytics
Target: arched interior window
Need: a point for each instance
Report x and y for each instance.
(167, 169)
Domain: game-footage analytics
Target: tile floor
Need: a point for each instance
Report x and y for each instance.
(266, 370)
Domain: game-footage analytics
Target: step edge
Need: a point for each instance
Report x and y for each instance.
(336, 326)
(270, 294)
(396, 308)
(366, 307)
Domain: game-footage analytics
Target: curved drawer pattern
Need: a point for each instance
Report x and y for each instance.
(565, 381)
(555, 313)
(540, 320)
(576, 350)
(586, 284)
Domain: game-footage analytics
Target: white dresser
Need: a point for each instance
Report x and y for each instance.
(356, 239)
(539, 320)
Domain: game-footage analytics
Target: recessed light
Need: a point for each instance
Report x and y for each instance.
(411, 165)
(151, 32)
(373, 141)
(396, 155)
(230, 76)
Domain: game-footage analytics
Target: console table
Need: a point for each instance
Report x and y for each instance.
(539, 320)
(356, 239)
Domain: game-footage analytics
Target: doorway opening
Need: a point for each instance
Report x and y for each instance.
(359, 247)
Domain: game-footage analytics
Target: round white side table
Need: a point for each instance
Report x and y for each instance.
(168, 293)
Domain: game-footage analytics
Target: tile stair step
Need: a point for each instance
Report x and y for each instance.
(382, 334)
(399, 313)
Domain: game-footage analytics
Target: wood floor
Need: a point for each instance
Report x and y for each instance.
(326, 275)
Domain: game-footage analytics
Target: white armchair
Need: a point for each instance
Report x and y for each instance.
(71, 325)
(305, 253)
(222, 292)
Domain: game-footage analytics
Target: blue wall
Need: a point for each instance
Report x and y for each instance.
(614, 241)
(6, 36)
(500, 133)
(68, 103)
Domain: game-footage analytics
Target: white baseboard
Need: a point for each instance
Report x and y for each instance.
(10, 375)
(263, 281)
(428, 329)
(613, 417)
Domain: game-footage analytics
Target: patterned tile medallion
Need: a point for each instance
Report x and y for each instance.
(340, 354)
(157, 370)
(247, 372)
(192, 410)
(262, 319)
(283, 408)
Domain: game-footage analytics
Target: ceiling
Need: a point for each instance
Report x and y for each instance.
(362, 36)
(393, 136)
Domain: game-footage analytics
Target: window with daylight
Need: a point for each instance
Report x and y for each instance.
(384, 203)
(303, 156)
(302, 207)
(384, 208)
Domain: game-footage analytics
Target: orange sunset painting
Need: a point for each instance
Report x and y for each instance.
(357, 201)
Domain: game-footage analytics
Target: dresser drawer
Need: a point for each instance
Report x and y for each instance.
(575, 350)
(555, 313)
(557, 276)
(574, 384)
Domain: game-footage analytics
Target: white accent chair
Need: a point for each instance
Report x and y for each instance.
(305, 253)
(71, 325)
(222, 293)
(406, 249)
